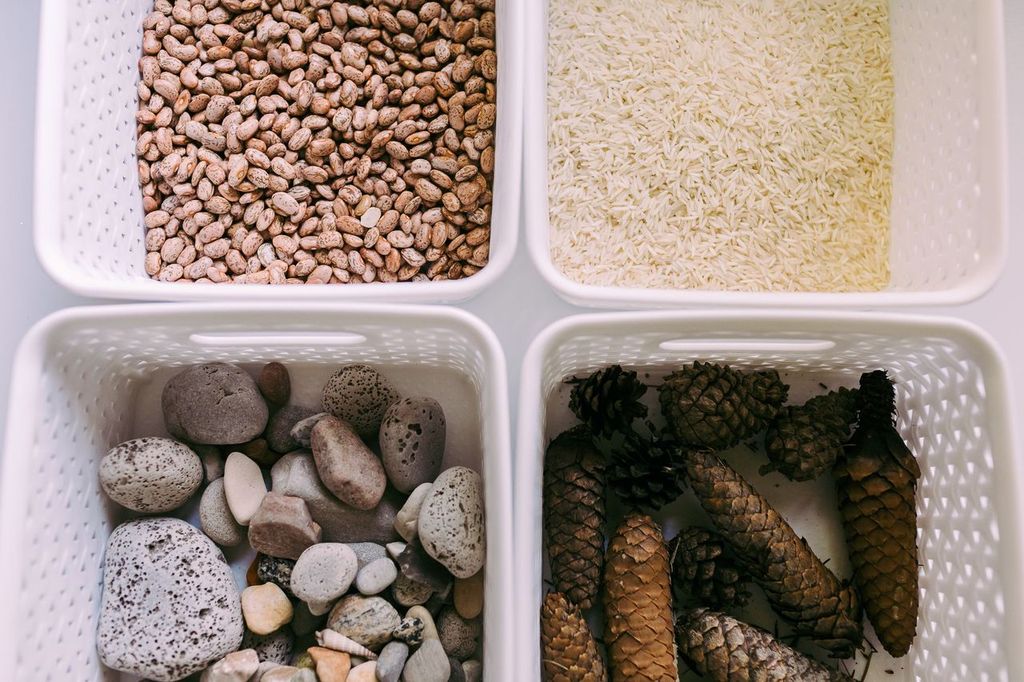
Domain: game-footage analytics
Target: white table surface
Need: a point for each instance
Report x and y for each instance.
(30, 295)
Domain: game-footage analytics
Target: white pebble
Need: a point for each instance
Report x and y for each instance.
(376, 576)
(243, 486)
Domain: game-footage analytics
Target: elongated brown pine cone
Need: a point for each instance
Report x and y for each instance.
(724, 649)
(574, 515)
(567, 646)
(638, 604)
(798, 585)
(876, 480)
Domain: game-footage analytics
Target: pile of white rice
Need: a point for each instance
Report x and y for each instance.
(721, 144)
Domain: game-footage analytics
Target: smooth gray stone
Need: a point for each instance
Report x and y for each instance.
(391, 661)
(428, 664)
(215, 517)
(376, 576)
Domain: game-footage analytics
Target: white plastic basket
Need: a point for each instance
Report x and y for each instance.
(88, 206)
(949, 206)
(954, 412)
(88, 378)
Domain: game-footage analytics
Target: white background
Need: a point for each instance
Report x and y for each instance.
(517, 307)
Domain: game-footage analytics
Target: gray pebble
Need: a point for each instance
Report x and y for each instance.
(412, 440)
(459, 636)
(376, 576)
(295, 474)
(428, 664)
(275, 647)
(323, 574)
(366, 620)
(214, 404)
(473, 670)
(367, 552)
(391, 661)
(277, 570)
(265, 667)
(451, 522)
(151, 475)
(346, 466)
(215, 517)
(283, 527)
(407, 592)
(359, 395)
(302, 431)
(279, 428)
(457, 673)
(170, 605)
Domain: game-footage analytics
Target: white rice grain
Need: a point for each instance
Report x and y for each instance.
(721, 144)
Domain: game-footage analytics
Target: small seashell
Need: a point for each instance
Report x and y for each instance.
(339, 642)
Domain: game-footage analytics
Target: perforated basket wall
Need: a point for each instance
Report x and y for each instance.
(88, 207)
(949, 226)
(954, 413)
(88, 379)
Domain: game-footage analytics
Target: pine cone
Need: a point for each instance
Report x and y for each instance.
(638, 604)
(797, 584)
(803, 442)
(704, 572)
(646, 474)
(715, 406)
(876, 480)
(608, 400)
(569, 651)
(724, 649)
(574, 515)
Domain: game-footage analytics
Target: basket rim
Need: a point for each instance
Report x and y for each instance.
(537, 226)
(48, 155)
(529, 446)
(30, 362)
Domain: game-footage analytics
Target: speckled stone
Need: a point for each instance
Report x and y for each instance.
(276, 647)
(151, 475)
(451, 522)
(170, 606)
(346, 466)
(412, 440)
(277, 570)
(322, 574)
(428, 664)
(274, 383)
(408, 516)
(214, 404)
(458, 635)
(391, 661)
(359, 395)
(215, 517)
(283, 527)
(421, 613)
(366, 620)
(279, 428)
(295, 474)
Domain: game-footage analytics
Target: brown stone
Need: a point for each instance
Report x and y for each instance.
(282, 527)
(347, 467)
(331, 666)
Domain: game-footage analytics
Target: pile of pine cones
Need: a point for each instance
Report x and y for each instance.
(664, 601)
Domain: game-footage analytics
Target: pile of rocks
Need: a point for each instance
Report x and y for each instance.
(369, 567)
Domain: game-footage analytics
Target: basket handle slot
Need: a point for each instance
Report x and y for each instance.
(726, 345)
(255, 338)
